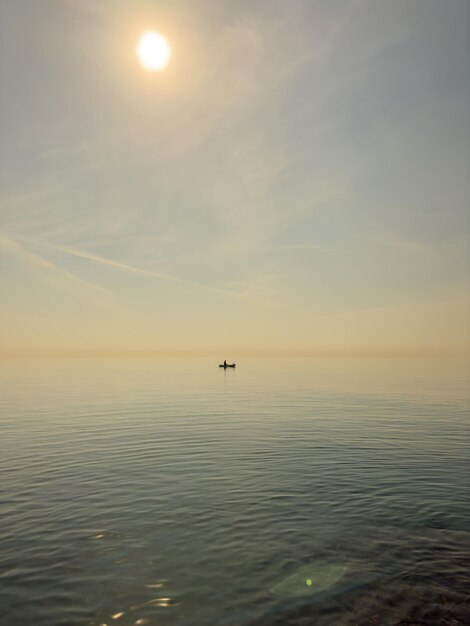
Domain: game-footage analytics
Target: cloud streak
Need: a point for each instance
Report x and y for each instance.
(49, 272)
(131, 269)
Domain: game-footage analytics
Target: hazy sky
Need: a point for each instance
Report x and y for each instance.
(296, 179)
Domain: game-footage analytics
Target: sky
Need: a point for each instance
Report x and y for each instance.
(297, 180)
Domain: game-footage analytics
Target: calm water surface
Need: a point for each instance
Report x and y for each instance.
(294, 491)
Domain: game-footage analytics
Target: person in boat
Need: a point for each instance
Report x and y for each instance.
(225, 363)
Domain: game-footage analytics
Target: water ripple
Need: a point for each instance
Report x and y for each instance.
(167, 492)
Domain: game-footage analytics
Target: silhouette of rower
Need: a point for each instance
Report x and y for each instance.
(225, 363)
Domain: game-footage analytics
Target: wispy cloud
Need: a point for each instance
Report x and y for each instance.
(417, 249)
(132, 269)
(48, 272)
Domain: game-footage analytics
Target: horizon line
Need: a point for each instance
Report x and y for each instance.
(233, 353)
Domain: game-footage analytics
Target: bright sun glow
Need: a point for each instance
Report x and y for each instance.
(153, 51)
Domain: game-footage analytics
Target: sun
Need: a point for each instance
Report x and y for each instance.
(153, 51)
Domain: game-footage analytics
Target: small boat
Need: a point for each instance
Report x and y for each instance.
(227, 365)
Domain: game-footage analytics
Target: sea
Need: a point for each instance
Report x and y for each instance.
(286, 491)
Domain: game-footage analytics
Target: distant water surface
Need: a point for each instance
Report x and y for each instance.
(287, 491)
